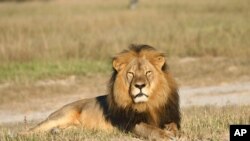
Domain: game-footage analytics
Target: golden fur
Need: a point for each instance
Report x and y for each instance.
(143, 99)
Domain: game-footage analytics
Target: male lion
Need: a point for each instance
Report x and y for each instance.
(142, 99)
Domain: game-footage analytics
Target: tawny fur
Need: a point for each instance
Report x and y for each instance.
(153, 113)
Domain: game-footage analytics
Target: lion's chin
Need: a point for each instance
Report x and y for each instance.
(141, 99)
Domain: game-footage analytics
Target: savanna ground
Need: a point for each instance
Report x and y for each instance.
(55, 52)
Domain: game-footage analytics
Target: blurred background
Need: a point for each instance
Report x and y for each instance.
(62, 49)
(41, 38)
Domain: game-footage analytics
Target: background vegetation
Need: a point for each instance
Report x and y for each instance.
(36, 35)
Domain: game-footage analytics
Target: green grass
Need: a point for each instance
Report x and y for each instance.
(196, 72)
(36, 70)
(198, 123)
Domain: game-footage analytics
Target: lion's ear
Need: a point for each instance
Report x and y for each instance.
(117, 64)
(160, 61)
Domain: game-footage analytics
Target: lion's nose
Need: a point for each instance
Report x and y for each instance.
(140, 85)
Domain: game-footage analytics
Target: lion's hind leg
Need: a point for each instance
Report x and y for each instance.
(60, 119)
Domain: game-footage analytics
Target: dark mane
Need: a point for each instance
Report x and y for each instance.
(139, 48)
(123, 119)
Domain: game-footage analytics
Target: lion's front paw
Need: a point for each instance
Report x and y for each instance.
(172, 128)
(55, 131)
(153, 133)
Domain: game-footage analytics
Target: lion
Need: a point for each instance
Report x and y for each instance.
(143, 99)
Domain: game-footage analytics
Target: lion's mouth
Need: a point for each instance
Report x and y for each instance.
(140, 97)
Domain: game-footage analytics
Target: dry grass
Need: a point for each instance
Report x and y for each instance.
(97, 29)
(61, 38)
(209, 70)
(212, 123)
(38, 39)
(213, 126)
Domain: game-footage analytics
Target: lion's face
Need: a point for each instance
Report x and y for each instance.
(139, 79)
(139, 76)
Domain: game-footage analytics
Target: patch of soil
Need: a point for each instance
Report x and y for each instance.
(222, 95)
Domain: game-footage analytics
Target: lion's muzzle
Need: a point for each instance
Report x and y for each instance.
(140, 97)
(139, 92)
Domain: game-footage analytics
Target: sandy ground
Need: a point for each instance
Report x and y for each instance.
(227, 94)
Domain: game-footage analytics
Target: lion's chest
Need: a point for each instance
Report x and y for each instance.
(127, 121)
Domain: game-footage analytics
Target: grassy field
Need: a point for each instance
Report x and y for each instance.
(60, 38)
(46, 42)
(213, 126)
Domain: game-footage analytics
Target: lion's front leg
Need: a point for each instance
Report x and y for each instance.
(152, 133)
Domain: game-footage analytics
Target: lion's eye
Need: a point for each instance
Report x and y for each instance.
(130, 74)
(148, 73)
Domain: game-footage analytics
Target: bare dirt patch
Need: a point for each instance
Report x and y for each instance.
(40, 108)
(227, 94)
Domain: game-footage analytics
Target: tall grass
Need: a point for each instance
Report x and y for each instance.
(45, 33)
(212, 123)
(98, 29)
